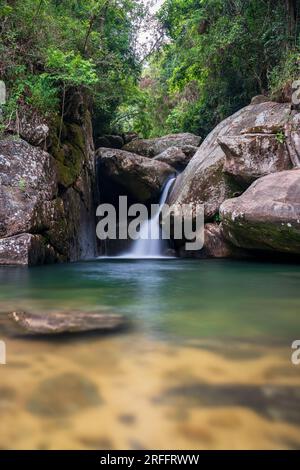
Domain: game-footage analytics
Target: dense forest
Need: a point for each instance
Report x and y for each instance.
(218, 54)
(207, 58)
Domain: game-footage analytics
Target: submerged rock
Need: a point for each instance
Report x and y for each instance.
(153, 147)
(267, 215)
(141, 177)
(204, 181)
(56, 323)
(63, 395)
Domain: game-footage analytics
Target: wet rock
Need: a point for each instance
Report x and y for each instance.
(204, 181)
(63, 395)
(56, 323)
(267, 215)
(26, 250)
(153, 147)
(215, 246)
(174, 157)
(141, 177)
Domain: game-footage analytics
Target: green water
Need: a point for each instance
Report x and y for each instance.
(181, 298)
(205, 364)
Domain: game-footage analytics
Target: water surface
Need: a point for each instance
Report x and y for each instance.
(206, 362)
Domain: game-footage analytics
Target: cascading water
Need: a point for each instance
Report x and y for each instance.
(150, 244)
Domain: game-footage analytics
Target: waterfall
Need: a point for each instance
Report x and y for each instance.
(150, 244)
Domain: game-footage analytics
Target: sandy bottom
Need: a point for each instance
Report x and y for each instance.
(129, 392)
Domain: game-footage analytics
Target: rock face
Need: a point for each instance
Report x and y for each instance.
(267, 215)
(32, 128)
(204, 181)
(47, 197)
(141, 177)
(174, 157)
(26, 250)
(56, 323)
(215, 246)
(153, 147)
(249, 157)
(28, 183)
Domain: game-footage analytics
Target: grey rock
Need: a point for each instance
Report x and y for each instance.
(267, 215)
(251, 156)
(26, 250)
(28, 180)
(204, 181)
(174, 157)
(143, 178)
(152, 147)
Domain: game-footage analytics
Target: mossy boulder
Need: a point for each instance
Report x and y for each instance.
(68, 147)
(267, 215)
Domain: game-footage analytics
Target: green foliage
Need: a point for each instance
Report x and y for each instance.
(220, 54)
(217, 56)
(48, 46)
(71, 68)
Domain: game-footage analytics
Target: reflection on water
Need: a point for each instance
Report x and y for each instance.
(206, 365)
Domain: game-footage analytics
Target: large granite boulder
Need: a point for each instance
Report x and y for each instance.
(152, 147)
(47, 208)
(267, 215)
(28, 182)
(251, 156)
(141, 177)
(204, 181)
(175, 157)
